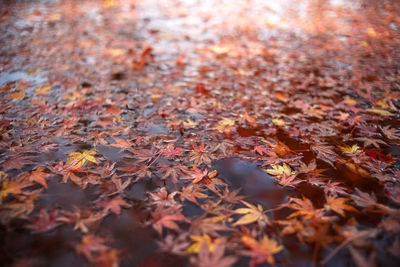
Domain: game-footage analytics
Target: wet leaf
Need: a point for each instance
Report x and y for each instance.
(91, 244)
(279, 170)
(351, 150)
(113, 204)
(338, 205)
(251, 214)
(263, 250)
(81, 158)
(45, 221)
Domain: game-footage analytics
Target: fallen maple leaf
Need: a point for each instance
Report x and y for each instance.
(260, 149)
(13, 187)
(278, 122)
(198, 241)
(91, 244)
(334, 188)
(113, 204)
(363, 199)
(16, 162)
(119, 185)
(250, 119)
(167, 217)
(48, 147)
(19, 208)
(379, 111)
(39, 176)
(280, 170)
(289, 181)
(42, 90)
(143, 154)
(170, 150)
(174, 245)
(197, 174)
(121, 143)
(162, 198)
(252, 214)
(81, 218)
(226, 125)
(324, 152)
(81, 158)
(338, 204)
(200, 155)
(214, 257)
(45, 221)
(352, 150)
(192, 193)
(303, 206)
(391, 133)
(261, 251)
(17, 96)
(175, 172)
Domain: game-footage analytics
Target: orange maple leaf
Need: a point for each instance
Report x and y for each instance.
(338, 204)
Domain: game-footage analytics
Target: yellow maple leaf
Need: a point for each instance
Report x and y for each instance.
(10, 187)
(379, 111)
(251, 214)
(354, 149)
(279, 122)
(198, 241)
(315, 112)
(280, 170)
(220, 49)
(54, 17)
(189, 123)
(225, 125)
(42, 90)
(217, 219)
(81, 158)
(17, 96)
(350, 101)
(382, 104)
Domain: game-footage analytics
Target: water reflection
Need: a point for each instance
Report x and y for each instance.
(254, 183)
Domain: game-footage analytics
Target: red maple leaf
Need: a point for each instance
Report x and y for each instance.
(168, 218)
(113, 204)
(170, 150)
(45, 221)
(197, 174)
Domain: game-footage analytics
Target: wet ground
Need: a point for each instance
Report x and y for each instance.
(132, 130)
